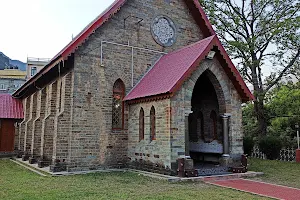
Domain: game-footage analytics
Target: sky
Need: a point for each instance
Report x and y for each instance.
(41, 28)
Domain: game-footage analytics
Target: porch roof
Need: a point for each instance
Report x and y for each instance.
(169, 73)
(10, 108)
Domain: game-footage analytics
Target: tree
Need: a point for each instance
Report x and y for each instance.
(259, 33)
(284, 110)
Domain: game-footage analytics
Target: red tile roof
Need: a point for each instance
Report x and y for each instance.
(168, 74)
(10, 108)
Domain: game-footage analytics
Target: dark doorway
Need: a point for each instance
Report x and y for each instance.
(205, 130)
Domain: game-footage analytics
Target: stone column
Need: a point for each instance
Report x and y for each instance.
(187, 135)
(187, 138)
(225, 123)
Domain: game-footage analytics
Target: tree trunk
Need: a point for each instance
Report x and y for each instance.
(259, 107)
(261, 118)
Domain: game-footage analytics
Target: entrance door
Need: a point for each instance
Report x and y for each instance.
(7, 135)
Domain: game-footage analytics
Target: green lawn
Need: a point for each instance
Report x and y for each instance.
(284, 173)
(19, 183)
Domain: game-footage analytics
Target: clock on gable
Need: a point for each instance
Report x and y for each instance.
(163, 31)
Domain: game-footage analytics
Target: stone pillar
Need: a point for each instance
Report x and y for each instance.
(226, 153)
(187, 135)
(28, 129)
(187, 138)
(225, 123)
(22, 131)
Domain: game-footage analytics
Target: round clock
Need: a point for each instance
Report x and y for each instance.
(163, 31)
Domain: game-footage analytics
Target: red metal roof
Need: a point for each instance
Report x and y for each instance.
(168, 74)
(10, 108)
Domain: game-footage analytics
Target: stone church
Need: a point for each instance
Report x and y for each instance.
(144, 84)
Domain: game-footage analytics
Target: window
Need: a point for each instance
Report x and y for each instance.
(2, 87)
(200, 126)
(117, 105)
(193, 128)
(33, 71)
(62, 93)
(152, 124)
(141, 125)
(213, 118)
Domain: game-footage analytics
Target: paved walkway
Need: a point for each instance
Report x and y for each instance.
(260, 188)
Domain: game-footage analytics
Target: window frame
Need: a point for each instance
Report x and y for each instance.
(31, 70)
(141, 125)
(118, 92)
(152, 124)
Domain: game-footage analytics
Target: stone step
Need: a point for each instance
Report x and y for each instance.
(7, 154)
(208, 171)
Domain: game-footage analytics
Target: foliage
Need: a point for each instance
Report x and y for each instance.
(249, 121)
(259, 34)
(248, 144)
(284, 109)
(271, 146)
(282, 113)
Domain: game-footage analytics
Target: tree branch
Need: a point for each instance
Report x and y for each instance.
(284, 71)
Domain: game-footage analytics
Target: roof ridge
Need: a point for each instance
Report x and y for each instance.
(191, 45)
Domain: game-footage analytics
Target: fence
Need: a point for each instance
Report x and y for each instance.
(287, 154)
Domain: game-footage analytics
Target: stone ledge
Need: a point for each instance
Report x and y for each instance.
(42, 171)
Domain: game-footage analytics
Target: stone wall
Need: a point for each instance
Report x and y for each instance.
(181, 108)
(157, 151)
(41, 101)
(98, 64)
(28, 125)
(48, 121)
(35, 114)
(22, 127)
(63, 118)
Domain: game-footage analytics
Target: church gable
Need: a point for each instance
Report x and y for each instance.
(87, 121)
(129, 22)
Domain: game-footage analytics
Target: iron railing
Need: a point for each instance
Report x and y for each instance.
(286, 154)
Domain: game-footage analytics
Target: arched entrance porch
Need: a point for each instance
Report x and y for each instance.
(207, 126)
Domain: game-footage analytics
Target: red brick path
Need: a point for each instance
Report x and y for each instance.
(260, 188)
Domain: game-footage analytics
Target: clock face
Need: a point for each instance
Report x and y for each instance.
(163, 31)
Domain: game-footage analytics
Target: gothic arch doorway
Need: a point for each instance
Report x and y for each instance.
(205, 124)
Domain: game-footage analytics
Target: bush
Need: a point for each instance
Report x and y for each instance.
(248, 143)
(271, 146)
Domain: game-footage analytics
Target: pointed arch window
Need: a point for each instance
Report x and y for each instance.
(200, 126)
(141, 125)
(152, 124)
(213, 119)
(118, 105)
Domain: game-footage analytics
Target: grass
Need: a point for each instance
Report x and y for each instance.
(19, 183)
(283, 173)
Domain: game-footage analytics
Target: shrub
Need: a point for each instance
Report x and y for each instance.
(248, 143)
(271, 146)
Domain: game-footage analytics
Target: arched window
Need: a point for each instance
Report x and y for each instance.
(118, 105)
(213, 119)
(152, 124)
(200, 126)
(193, 127)
(141, 125)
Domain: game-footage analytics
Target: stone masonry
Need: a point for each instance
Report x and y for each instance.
(69, 121)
